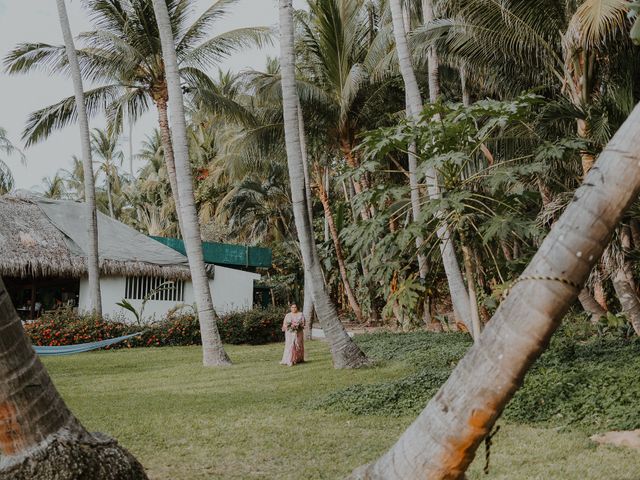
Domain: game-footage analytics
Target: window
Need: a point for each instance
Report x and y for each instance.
(154, 288)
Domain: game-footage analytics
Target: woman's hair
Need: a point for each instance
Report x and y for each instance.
(293, 304)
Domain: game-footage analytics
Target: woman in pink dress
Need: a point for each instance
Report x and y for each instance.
(293, 328)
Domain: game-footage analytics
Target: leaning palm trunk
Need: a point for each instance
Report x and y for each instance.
(337, 245)
(441, 443)
(93, 262)
(212, 350)
(457, 288)
(39, 437)
(344, 351)
(308, 296)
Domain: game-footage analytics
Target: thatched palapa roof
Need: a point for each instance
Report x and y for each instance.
(48, 238)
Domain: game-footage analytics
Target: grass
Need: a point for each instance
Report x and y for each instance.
(256, 420)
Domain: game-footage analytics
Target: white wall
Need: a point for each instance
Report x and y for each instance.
(232, 290)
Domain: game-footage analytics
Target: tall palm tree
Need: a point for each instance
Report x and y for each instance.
(268, 89)
(346, 354)
(213, 353)
(459, 294)
(54, 186)
(93, 264)
(123, 56)
(442, 441)
(104, 146)
(7, 148)
(38, 433)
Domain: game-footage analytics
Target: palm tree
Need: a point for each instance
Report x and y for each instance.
(345, 352)
(123, 55)
(212, 350)
(38, 433)
(459, 295)
(54, 186)
(93, 265)
(6, 147)
(442, 441)
(104, 146)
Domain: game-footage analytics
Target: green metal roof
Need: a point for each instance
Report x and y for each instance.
(225, 254)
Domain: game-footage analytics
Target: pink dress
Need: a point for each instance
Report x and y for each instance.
(293, 340)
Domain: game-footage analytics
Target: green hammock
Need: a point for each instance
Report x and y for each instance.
(81, 347)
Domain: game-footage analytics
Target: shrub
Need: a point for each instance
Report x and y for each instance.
(589, 384)
(65, 328)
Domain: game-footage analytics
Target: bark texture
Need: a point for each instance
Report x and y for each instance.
(167, 148)
(590, 306)
(308, 296)
(442, 441)
(213, 353)
(625, 290)
(344, 351)
(39, 437)
(93, 262)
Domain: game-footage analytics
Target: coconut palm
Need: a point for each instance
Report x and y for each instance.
(8, 149)
(38, 433)
(123, 56)
(53, 187)
(104, 146)
(346, 354)
(213, 353)
(93, 264)
(442, 441)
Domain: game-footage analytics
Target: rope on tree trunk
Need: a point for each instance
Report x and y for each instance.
(487, 448)
(541, 277)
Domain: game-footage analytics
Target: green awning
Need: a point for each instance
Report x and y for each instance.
(225, 254)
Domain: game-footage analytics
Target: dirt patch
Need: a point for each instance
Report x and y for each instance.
(630, 439)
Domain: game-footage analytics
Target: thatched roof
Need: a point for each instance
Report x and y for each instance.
(44, 238)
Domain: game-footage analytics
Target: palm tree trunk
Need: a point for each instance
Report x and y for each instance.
(441, 443)
(39, 437)
(590, 305)
(308, 297)
(337, 244)
(93, 262)
(433, 62)
(344, 351)
(457, 288)
(624, 284)
(213, 353)
(466, 94)
(110, 199)
(626, 292)
(169, 157)
(415, 189)
(473, 299)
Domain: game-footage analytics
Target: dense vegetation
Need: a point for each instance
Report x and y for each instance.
(582, 381)
(506, 163)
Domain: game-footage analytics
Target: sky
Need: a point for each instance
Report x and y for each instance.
(37, 21)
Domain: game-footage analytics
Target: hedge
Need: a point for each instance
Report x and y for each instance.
(253, 327)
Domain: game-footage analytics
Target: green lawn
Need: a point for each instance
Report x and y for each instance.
(254, 420)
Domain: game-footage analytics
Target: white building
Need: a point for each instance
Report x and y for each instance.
(43, 246)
